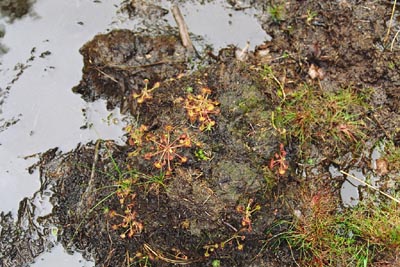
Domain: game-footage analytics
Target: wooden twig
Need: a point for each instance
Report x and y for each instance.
(159, 255)
(107, 75)
(370, 186)
(86, 196)
(394, 40)
(183, 30)
(390, 22)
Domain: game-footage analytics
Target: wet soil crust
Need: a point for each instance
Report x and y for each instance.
(197, 206)
(195, 214)
(347, 39)
(116, 64)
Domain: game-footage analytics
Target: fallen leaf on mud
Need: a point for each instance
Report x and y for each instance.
(316, 72)
(381, 166)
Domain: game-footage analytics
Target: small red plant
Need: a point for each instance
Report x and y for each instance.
(166, 148)
(129, 222)
(279, 160)
(200, 107)
(235, 237)
(247, 212)
(145, 94)
(347, 130)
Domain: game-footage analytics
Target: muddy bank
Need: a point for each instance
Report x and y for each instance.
(226, 164)
(116, 65)
(184, 209)
(348, 41)
(185, 203)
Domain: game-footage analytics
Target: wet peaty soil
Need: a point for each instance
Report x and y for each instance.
(196, 203)
(213, 199)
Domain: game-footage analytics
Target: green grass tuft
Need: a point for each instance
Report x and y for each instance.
(313, 116)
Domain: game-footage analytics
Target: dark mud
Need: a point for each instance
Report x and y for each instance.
(16, 9)
(347, 40)
(116, 65)
(194, 214)
(27, 236)
(198, 202)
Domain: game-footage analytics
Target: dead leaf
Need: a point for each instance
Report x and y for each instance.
(381, 166)
(316, 72)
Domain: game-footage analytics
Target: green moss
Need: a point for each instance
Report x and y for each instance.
(233, 177)
(250, 99)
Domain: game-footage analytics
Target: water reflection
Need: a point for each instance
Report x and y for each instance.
(221, 25)
(39, 111)
(57, 256)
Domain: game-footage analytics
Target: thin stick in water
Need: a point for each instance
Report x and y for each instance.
(183, 30)
(370, 186)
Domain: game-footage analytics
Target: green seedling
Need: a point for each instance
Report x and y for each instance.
(189, 90)
(216, 263)
(202, 155)
(391, 65)
(276, 12)
(310, 16)
(140, 260)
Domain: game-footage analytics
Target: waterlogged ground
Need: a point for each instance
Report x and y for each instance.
(231, 157)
